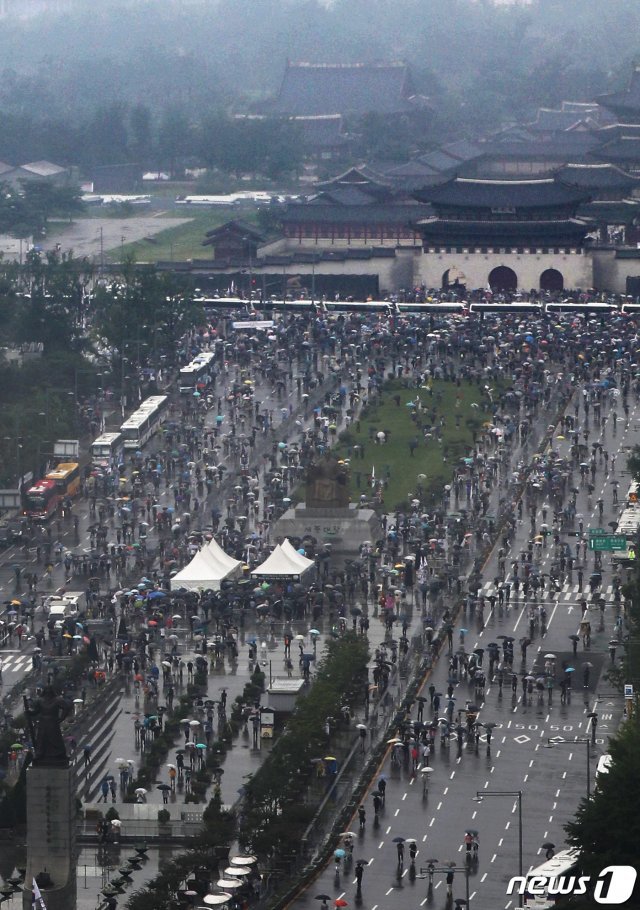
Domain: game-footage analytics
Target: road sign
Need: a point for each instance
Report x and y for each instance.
(611, 542)
(598, 532)
(628, 690)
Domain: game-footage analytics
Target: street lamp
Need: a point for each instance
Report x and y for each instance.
(480, 795)
(579, 740)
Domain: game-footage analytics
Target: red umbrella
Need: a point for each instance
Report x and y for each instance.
(339, 902)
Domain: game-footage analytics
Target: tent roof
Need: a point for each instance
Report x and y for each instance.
(214, 550)
(207, 569)
(284, 561)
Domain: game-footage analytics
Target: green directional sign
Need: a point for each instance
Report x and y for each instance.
(611, 542)
(599, 532)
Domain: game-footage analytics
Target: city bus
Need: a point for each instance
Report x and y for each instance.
(513, 306)
(543, 886)
(107, 450)
(588, 308)
(41, 500)
(222, 303)
(197, 373)
(143, 423)
(66, 478)
(444, 308)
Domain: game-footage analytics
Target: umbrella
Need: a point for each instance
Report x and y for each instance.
(340, 902)
(162, 787)
(213, 900)
(243, 860)
(140, 791)
(238, 871)
(548, 845)
(322, 897)
(549, 656)
(398, 840)
(339, 853)
(228, 883)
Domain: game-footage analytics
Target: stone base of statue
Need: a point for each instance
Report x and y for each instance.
(51, 836)
(345, 528)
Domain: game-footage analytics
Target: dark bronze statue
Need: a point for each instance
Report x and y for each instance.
(327, 485)
(45, 715)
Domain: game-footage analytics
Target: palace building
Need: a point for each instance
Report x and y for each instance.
(507, 234)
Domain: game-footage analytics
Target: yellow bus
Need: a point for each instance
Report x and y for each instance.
(66, 477)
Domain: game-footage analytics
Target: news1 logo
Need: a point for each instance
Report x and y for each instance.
(614, 885)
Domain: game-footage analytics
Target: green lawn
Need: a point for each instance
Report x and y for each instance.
(185, 241)
(433, 458)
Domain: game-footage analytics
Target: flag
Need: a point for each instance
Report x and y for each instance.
(37, 900)
(373, 476)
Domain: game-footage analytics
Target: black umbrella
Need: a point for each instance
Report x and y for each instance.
(548, 845)
(398, 840)
(574, 637)
(421, 698)
(322, 897)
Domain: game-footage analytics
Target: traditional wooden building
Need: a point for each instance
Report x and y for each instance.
(356, 89)
(355, 209)
(508, 234)
(234, 240)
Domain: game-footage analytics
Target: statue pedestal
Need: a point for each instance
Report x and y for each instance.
(344, 528)
(51, 835)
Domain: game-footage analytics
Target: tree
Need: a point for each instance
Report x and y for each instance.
(175, 136)
(149, 310)
(606, 828)
(141, 142)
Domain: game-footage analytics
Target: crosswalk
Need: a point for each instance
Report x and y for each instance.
(15, 662)
(569, 593)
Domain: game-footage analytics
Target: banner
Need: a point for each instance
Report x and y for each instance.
(37, 900)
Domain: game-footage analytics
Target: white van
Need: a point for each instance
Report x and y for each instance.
(58, 611)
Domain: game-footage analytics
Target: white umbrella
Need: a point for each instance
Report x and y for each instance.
(214, 900)
(140, 791)
(228, 883)
(243, 860)
(115, 822)
(237, 871)
(194, 723)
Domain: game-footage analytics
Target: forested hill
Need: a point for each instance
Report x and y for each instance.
(482, 64)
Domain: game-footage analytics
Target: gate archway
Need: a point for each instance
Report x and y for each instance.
(551, 280)
(453, 277)
(503, 278)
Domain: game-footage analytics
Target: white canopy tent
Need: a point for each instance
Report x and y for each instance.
(210, 566)
(283, 562)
